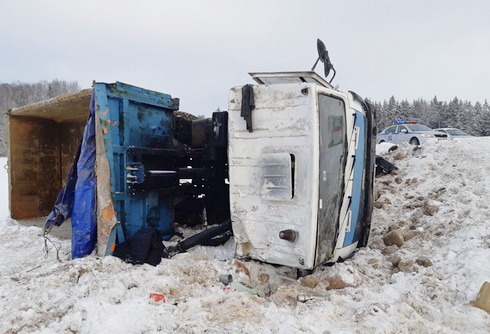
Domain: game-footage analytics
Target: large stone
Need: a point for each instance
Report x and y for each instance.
(407, 266)
(430, 208)
(310, 281)
(483, 299)
(394, 259)
(410, 234)
(336, 282)
(413, 205)
(389, 250)
(376, 243)
(400, 156)
(423, 261)
(394, 237)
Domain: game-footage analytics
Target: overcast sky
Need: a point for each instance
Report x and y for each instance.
(198, 50)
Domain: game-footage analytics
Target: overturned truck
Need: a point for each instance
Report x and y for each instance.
(289, 168)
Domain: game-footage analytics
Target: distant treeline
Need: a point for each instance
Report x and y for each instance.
(473, 119)
(17, 94)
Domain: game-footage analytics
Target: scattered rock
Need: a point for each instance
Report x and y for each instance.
(430, 209)
(284, 297)
(390, 250)
(372, 261)
(263, 278)
(412, 206)
(310, 281)
(398, 180)
(407, 235)
(483, 299)
(393, 227)
(423, 261)
(402, 223)
(439, 192)
(395, 259)
(378, 205)
(415, 180)
(335, 283)
(407, 266)
(394, 237)
(241, 267)
(400, 156)
(377, 243)
(387, 201)
(416, 218)
(395, 172)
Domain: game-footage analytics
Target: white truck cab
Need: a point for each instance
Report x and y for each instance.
(301, 164)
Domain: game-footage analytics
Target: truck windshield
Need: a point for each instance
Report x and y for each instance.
(333, 153)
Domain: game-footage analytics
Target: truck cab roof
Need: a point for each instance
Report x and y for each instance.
(289, 77)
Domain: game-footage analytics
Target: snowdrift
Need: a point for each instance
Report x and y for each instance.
(427, 258)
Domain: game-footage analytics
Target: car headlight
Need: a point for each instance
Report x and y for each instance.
(426, 135)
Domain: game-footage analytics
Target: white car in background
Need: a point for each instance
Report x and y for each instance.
(409, 132)
(453, 133)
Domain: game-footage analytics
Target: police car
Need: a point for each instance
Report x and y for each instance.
(453, 133)
(409, 132)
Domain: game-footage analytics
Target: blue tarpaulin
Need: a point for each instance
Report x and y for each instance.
(77, 198)
(64, 202)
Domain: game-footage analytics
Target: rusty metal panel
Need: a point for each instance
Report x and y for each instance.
(43, 139)
(70, 136)
(129, 120)
(34, 166)
(62, 108)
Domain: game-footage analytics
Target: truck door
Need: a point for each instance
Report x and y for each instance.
(333, 154)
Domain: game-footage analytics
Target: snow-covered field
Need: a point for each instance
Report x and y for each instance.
(437, 208)
(4, 207)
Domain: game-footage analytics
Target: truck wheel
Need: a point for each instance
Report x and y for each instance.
(414, 141)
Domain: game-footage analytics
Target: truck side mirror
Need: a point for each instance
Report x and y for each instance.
(323, 56)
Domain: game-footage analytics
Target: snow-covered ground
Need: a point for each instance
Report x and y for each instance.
(436, 208)
(4, 207)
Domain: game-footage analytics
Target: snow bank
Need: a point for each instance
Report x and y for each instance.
(4, 208)
(437, 205)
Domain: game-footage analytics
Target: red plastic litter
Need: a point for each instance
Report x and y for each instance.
(158, 297)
